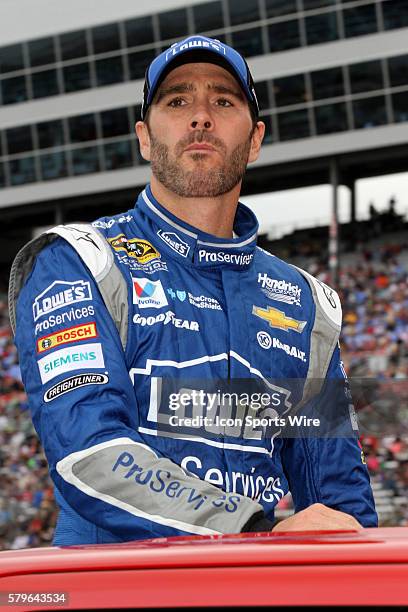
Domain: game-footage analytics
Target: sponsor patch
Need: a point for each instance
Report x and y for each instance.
(156, 265)
(238, 259)
(148, 293)
(277, 318)
(64, 336)
(73, 314)
(75, 382)
(71, 358)
(280, 290)
(292, 351)
(199, 301)
(174, 241)
(165, 318)
(59, 294)
(111, 222)
(264, 339)
(137, 248)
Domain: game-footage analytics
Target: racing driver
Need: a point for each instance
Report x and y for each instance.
(176, 289)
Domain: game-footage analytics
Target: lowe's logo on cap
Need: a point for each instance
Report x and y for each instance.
(194, 43)
(199, 48)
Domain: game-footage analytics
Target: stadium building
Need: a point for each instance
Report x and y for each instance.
(331, 77)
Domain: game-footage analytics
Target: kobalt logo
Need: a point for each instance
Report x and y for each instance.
(264, 339)
(60, 294)
(165, 318)
(292, 351)
(238, 259)
(73, 314)
(68, 359)
(174, 242)
(280, 290)
(75, 382)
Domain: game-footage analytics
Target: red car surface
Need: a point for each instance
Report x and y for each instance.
(366, 568)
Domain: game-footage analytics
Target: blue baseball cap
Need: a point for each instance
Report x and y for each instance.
(198, 49)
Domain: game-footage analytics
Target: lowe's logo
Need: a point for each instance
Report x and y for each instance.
(175, 242)
(60, 294)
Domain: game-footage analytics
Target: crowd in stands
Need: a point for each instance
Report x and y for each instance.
(374, 293)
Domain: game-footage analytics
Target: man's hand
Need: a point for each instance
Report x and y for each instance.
(318, 518)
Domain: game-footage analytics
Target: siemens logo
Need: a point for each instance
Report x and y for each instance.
(60, 294)
(239, 259)
(72, 358)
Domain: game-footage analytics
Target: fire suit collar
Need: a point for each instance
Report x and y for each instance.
(201, 249)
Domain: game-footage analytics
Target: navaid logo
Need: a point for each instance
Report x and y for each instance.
(72, 358)
(277, 318)
(60, 294)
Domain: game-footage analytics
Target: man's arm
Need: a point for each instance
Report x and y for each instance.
(328, 471)
(98, 461)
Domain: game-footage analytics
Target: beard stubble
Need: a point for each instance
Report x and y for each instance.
(201, 181)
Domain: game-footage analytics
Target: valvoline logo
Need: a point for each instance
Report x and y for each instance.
(148, 293)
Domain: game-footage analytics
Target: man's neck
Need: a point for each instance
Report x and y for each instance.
(211, 215)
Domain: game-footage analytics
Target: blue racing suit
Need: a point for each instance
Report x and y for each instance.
(106, 314)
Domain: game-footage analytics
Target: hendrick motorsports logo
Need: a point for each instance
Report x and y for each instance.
(174, 242)
(59, 294)
(280, 290)
(137, 248)
(75, 382)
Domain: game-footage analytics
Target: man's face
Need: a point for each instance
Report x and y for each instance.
(200, 135)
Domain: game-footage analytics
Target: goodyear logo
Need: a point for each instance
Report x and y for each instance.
(277, 318)
(64, 336)
(139, 249)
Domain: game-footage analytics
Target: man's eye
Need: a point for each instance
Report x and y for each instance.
(176, 102)
(224, 102)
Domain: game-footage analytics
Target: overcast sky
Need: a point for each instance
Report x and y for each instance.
(311, 206)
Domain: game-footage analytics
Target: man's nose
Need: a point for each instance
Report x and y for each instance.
(195, 124)
(201, 118)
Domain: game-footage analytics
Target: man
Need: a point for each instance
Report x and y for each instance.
(176, 290)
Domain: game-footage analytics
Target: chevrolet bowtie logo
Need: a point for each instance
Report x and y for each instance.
(277, 318)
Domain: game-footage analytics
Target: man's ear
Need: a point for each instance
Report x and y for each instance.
(256, 141)
(142, 132)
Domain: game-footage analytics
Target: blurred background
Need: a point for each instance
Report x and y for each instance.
(330, 188)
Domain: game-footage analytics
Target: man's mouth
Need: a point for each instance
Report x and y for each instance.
(200, 146)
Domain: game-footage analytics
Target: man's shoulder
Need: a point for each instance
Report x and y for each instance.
(322, 295)
(107, 223)
(272, 264)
